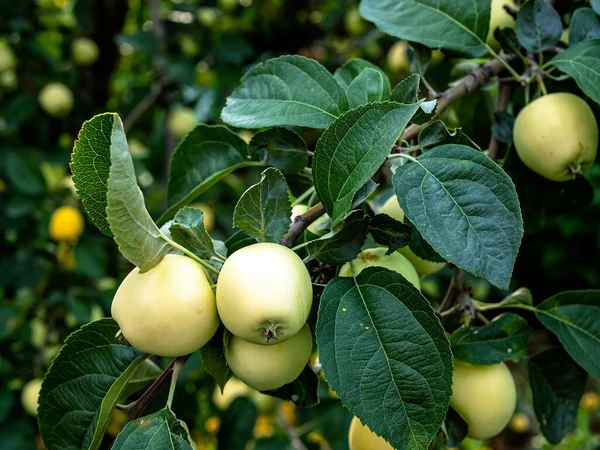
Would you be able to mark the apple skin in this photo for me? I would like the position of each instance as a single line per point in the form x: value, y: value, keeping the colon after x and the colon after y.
x: 484, y: 396
x: 30, y: 395
x: 235, y: 388
x: 66, y: 224
x: 360, y: 437
x: 84, y: 51
x: 556, y: 136
x: 264, y: 293
x: 267, y: 367
x: 499, y: 18
x: 181, y: 122
x: 56, y: 99
x: 169, y: 310
x: 392, y: 208
x: 377, y: 257
x: 397, y: 57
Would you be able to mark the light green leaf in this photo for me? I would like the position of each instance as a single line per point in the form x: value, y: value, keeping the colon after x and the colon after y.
x: 206, y: 155
x: 289, y: 90
x: 281, y: 148
x: 239, y: 240
x: 438, y: 134
x: 352, y: 149
x: 407, y: 90
x: 189, y: 231
x: 353, y: 68
x: 459, y: 25
x: 158, y: 431
x: 367, y: 87
x: 466, y: 207
x: 584, y: 25
x: 79, y: 388
x: 521, y: 296
x: 264, y: 210
x: 582, y: 62
x: 385, y: 353
x: 574, y: 316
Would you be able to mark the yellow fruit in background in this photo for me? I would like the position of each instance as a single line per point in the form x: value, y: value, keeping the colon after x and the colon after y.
x: 204, y: 75
x: 8, y: 79
x: 520, y: 423
x: 320, y: 226
x: 484, y: 396
x: 263, y: 427
x: 7, y: 57
x: 264, y: 294
x: 437, y: 56
x: 377, y: 257
x: 30, y: 394
x: 397, y: 57
x: 392, y: 208
x: 209, y: 215
x: 84, y: 51
x: 207, y: 16
x: 56, y: 99
x: 189, y: 46
x: 117, y: 422
x: 354, y: 23
x: 66, y: 224
x: 499, y: 18
x: 181, y: 122
x: 556, y: 136
x: 212, y: 424
x: 360, y: 437
x: 137, y: 149
x: 267, y: 367
x: 227, y: 4
x: 590, y: 401
x: 422, y: 266
x: 235, y: 388
x: 169, y: 310
x: 246, y: 135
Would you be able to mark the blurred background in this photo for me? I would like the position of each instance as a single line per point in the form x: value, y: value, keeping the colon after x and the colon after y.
x: 164, y: 66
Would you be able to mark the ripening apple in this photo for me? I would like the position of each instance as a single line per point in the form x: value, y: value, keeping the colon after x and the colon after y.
x: 556, y: 136
x: 360, y: 437
x: 7, y: 57
x: 84, y: 51
x: 30, y: 395
x: 56, y: 99
x: 235, y: 388
x: 169, y: 310
x: 264, y: 293
x: 267, y: 367
x: 377, y: 257
x: 392, y: 208
x: 499, y: 18
x: 397, y: 57
x: 484, y: 396
x: 181, y: 122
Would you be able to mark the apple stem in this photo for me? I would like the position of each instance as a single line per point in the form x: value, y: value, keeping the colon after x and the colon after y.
x: 575, y: 170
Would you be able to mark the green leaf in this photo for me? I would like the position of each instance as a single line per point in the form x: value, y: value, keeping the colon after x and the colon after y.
x: 264, y: 210
x: 582, y: 62
x: 500, y: 340
x: 390, y: 232
x: 134, y: 231
x: 584, y: 25
x: 407, y: 90
x: 213, y: 359
x: 421, y: 247
x: 367, y: 87
x: 521, y: 296
x: 289, y: 90
x: 343, y: 242
x: 503, y: 125
x: 189, y: 231
x: 79, y: 386
x: 466, y: 208
x: 425, y: 112
x: 237, y: 424
x: 459, y: 25
x: 352, y: 149
x: 281, y: 148
x: 438, y: 134
x: 386, y: 355
x: 538, y: 26
x: 557, y: 384
x: 90, y: 165
x: 574, y: 316
x: 456, y: 427
x: 303, y: 391
x: 145, y: 374
x: 158, y: 431
x: 239, y: 240
x: 206, y: 155
x: 353, y: 68
x: 596, y: 5
x: 22, y: 171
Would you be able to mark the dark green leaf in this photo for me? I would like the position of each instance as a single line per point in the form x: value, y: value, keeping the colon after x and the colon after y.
x: 507, y: 37
x: 438, y: 134
x: 425, y: 112
x: 158, y: 431
x: 502, y: 127
x: 367, y: 87
x: 584, y: 25
x: 538, y: 26
x: 574, y: 316
x: 206, y: 155
x: 237, y: 241
x: 407, y: 90
x: 459, y: 25
x: 582, y: 62
x: 456, y: 427
x: 77, y: 383
x: 557, y: 384
x: 596, y: 5
x: 389, y: 232
x: 289, y: 90
x: 352, y: 149
x: 364, y: 193
x: 23, y: 172
x: 352, y: 69
x: 189, y: 231
x: 213, y: 359
x: 303, y: 391
x: 343, y: 242
x: 237, y: 424
x: 264, y: 210
x: 502, y: 339
x: 421, y: 247
x: 386, y: 355
x: 466, y: 207
x: 281, y: 148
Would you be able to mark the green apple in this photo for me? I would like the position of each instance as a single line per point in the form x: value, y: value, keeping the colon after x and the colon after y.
x: 8, y: 60
x: 484, y: 396
x: 360, y: 437
x: 264, y: 293
x: 422, y: 266
x: 84, y: 51
x: 56, y: 99
x: 392, y: 208
x: 169, y: 310
x: 235, y: 388
x: 377, y: 257
x: 267, y: 367
x: 556, y: 136
x: 499, y: 18
x: 354, y: 23
x: 207, y: 16
x: 181, y: 122
x: 30, y: 394
x: 397, y: 57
